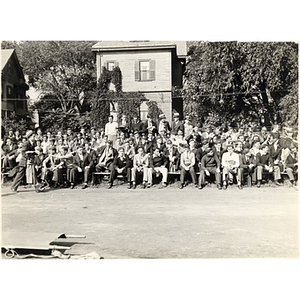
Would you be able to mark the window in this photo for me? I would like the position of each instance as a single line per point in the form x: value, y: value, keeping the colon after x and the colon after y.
x: 110, y: 65
x: 145, y: 70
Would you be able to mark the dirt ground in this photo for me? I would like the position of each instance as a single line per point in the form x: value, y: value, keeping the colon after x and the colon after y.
x: 162, y: 223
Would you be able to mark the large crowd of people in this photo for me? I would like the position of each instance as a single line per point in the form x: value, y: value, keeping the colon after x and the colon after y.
x: 148, y: 151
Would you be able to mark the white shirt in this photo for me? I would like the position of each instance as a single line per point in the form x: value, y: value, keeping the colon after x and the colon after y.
x: 111, y: 128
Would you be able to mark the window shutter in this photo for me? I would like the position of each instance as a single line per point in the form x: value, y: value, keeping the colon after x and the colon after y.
x: 136, y: 71
x: 152, y: 69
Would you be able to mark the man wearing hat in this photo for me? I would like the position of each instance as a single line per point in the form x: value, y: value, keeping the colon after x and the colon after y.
x: 27, y: 154
x: 176, y: 125
x: 187, y: 163
x: 163, y: 124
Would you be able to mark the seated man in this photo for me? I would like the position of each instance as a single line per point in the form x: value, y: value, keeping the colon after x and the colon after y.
x: 291, y: 164
x: 230, y: 164
x: 247, y: 164
x: 187, y: 163
x: 106, y: 156
x: 7, y: 155
x: 121, y: 166
x: 49, y: 167
x: 264, y: 161
x: 140, y: 165
x: 158, y: 165
x: 77, y: 167
x: 275, y: 151
x: 173, y: 155
x: 210, y: 164
x: 89, y: 160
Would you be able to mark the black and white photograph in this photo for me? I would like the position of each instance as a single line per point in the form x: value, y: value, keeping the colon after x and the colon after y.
x: 149, y: 149
x: 149, y: 155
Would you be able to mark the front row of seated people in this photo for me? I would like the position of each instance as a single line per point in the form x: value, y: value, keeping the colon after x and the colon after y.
x: 66, y: 169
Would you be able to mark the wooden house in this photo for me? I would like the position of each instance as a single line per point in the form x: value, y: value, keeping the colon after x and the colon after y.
x: 153, y: 68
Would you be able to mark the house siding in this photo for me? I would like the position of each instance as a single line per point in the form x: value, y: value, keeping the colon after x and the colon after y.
x: 13, y: 78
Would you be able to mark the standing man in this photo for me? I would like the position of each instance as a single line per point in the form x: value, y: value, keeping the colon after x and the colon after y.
x: 163, y: 124
x: 176, y: 125
x: 135, y: 125
x: 111, y: 129
x: 149, y: 126
x: 27, y: 153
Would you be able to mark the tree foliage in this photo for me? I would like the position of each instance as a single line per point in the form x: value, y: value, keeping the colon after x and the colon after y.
x: 105, y: 96
x: 63, y: 71
x: 15, y: 123
x: 240, y: 81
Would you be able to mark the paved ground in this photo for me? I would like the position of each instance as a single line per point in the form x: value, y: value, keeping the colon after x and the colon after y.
x: 163, y: 223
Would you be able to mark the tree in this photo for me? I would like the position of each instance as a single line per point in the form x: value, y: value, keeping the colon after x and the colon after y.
x: 239, y: 81
x: 64, y: 74
x: 63, y: 69
x: 104, y: 97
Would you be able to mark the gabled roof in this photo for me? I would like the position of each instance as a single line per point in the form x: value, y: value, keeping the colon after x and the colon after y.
x: 5, y: 56
x: 180, y: 46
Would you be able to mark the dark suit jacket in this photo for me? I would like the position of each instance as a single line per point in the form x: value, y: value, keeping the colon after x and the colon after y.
x: 27, y: 146
x: 118, y: 163
x: 175, y: 127
x: 101, y: 150
x: 6, y: 150
x: 144, y: 127
x: 89, y: 159
x: 275, y: 154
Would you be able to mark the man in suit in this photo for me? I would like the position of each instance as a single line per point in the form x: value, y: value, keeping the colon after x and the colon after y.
x: 105, y: 157
x: 27, y: 153
x: 176, y: 125
x: 140, y: 165
x: 247, y: 164
x: 121, y: 166
x: 77, y: 167
x: 8, y: 162
x: 149, y: 125
x: 163, y: 124
x: 275, y: 153
x: 89, y: 160
x: 135, y: 125
x: 291, y: 164
x: 173, y: 155
x: 264, y: 161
